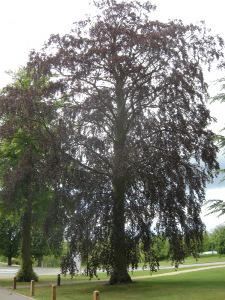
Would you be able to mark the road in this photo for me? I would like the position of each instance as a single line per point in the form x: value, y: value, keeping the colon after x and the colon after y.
x: 9, y: 272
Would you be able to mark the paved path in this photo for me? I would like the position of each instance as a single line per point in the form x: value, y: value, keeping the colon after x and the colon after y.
x: 9, y: 295
x: 10, y: 272
x: 179, y: 272
x: 182, y: 266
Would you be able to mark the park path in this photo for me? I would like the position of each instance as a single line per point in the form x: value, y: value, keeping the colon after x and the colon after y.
x: 178, y: 272
x: 6, y: 294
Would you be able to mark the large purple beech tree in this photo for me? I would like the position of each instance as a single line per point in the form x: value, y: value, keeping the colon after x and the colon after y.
x: 132, y: 95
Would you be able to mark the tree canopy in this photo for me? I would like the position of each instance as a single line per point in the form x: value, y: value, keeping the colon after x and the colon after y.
x: 112, y: 120
x: 132, y: 96
x: 9, y: 236
x: 27, y: 153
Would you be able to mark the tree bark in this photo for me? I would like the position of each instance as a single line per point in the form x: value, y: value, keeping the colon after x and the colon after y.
x: 9, y: 260
x: 26, y: 272
x: 39, y: 261
x: 119, y: 273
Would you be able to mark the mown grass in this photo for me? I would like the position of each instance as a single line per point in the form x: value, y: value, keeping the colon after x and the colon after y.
x: 210, y: 258
x: 201, y: 285
x: 85, y: 286
x: 52, y: 279
x: 201, y: 260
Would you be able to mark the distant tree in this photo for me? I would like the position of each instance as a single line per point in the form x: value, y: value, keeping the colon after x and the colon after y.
x: 46, y: 242
x: 132, y: 92
x: 10, y: 236
x: 28, y: 160
x: 39, y: 246
x: 208, y: 242
x: 218, y: 237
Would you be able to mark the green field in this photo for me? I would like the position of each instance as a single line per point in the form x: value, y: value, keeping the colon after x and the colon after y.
x: 202, y: 259
x: 205, y: 285
x: 50, y: 279
x: 192, y: 261
x: 201, y: 285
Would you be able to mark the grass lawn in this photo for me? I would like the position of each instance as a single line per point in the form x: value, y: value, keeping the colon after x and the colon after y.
x: 201, y: 285
x: 52, y: 279
x: 201, y: 260
x: 81, y: 290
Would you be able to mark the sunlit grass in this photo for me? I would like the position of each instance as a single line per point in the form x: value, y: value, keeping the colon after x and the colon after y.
x: 201, y: 285
x: 82, y: 284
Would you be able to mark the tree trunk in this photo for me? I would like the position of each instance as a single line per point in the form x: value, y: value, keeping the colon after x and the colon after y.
x: 119, y: 272
x: 39, y: 261
x: 26, y: 272
x: 9, y: 260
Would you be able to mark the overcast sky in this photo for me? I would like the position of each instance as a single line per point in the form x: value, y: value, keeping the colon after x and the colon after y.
x: 26, y: 24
